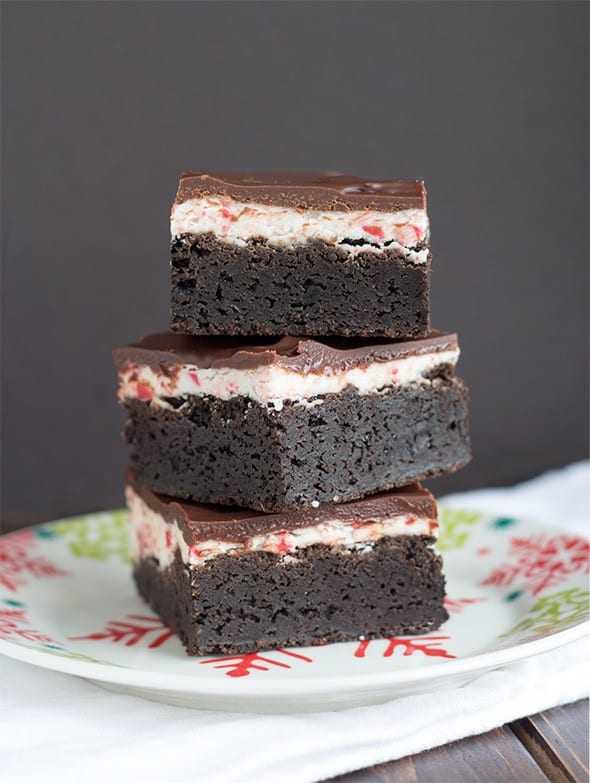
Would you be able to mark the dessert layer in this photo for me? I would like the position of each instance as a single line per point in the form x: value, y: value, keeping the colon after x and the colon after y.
x: 237, y: 223
x: 165, y: 367
x: 236, y: 605
x: 299, y: 190
x: 289, y: 209
x: 242, y: 453
x: 311, y: 289
x: 160, y: 526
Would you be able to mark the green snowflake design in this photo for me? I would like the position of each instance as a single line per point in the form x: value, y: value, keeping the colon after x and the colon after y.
x: 98, y: 537
x: 74, y: 656
x: 455, y: 527
x: 554, y: 612
x: 61, y: 652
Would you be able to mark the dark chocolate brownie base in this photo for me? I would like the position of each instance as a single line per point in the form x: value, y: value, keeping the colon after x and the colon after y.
x: 238, y: 452
x: 236, y: 605
x: 310, y: 289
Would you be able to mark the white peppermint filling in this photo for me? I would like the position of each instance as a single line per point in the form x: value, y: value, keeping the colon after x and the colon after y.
x: 152, y: 536
x: 273, y: 385
x: 236, y: 222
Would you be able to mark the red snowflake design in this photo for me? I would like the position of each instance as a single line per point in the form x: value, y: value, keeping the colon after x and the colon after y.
x: 244, y: 665
x: 17, y: 561
x: 135, y: 629
x: 15, y: 625
x: 427, y: 645
x: 540, y: 562
x: 456, y: 605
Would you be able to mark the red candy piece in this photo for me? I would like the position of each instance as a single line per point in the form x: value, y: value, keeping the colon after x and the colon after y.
x: 144, y: 392
x: 194, y: 377
x: 283, y: 545
x: 374, y: 231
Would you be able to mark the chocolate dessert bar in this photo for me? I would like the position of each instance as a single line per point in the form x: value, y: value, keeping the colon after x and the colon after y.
x: 288, y: 423
x: 300, y: 254
x: 233, y: 581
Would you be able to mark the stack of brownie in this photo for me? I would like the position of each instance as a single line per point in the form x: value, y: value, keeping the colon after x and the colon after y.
x: 280, y: 429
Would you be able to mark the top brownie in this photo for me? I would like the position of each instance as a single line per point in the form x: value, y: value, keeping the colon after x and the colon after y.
x: 300, y: 254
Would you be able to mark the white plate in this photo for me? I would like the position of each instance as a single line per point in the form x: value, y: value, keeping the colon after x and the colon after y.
x: 67, y: 602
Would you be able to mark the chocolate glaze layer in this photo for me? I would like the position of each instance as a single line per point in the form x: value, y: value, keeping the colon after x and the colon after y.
x: 166, y: 351
x: 219, y: 523
x: 330, y: 192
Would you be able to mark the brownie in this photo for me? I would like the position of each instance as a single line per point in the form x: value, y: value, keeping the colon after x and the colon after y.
x: 287, y: 424
x: 309, y: 289
x: 228, y: 582
x: 272, y: 254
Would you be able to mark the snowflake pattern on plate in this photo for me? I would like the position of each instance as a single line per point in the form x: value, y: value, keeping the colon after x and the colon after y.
x: 431, y: 646
x: 554, y: 612
x: 455, y: 526
x: 96, y: 537
x: 20, y: 561
x: 135, y: 629
x: 540, y: 561
x: 457, y: 605
x: 15, y: 625
x: 244, y: 665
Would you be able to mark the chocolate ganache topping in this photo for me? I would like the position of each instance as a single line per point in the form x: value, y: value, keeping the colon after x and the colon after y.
x: 202, y: 522
x: 328, y: 192
x: 167, y: 351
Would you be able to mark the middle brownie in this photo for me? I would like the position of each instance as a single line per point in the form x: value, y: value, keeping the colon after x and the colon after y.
x: 291, y: 423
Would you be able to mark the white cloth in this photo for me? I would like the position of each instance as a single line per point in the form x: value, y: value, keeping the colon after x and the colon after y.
x: 59, y: 728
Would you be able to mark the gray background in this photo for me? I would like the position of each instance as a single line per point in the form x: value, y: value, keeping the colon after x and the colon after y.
x: 105, y: 103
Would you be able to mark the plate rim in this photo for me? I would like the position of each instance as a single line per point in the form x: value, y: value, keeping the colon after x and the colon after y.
x: 177, y: 683
x: 277, y: 687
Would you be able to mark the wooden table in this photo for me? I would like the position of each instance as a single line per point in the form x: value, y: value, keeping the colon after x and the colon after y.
x: 549, y: 747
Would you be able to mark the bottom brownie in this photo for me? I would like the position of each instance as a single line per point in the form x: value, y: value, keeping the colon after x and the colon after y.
x: 260, y: 600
